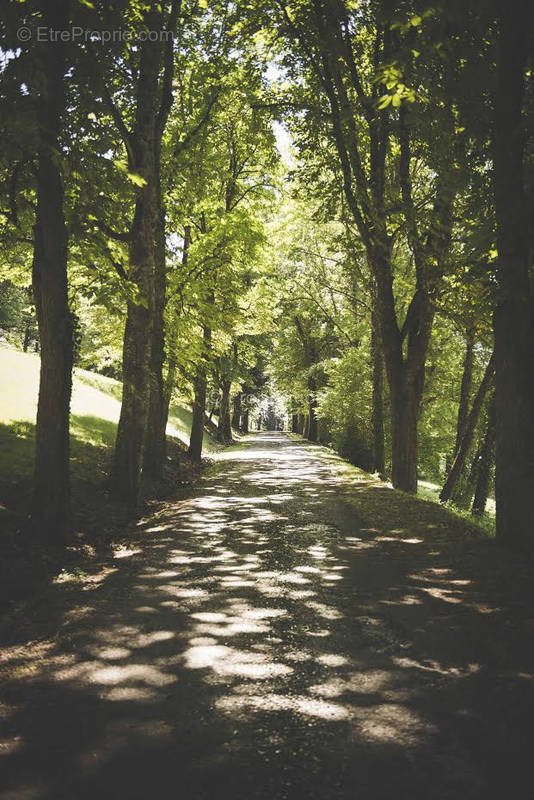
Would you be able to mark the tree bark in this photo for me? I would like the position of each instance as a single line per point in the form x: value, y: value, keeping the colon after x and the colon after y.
x: 485, y: 463
x: 469, y: 433
x: 405, y: 379
x: 352, y: 110
x: 199, y: 402
x: 378, y: 398
x: 236, y: 411
x: 131, y: 432
x: 197, y: 425
x: 405, y: 415
x: 156, y: 439
x: 245, y: 421
x: 465, y: 388
x: 158, y: 407
x: 27, y: 337
x: 50, y: 503
x: 170, y: 378
x: 312, y: 431
x: 224, y: 431
x: 514, y: 316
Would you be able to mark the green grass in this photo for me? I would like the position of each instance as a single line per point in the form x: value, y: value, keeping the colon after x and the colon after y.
x: 95, y: 410
x: 430, y: 491
x: 390, y: 501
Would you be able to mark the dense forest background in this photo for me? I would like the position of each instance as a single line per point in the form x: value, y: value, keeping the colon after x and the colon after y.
x: 315, y: 208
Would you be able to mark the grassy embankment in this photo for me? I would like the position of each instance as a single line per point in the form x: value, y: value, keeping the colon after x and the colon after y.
x: 95, y: 412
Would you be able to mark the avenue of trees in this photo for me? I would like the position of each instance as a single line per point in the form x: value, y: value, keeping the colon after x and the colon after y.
x: 328, y: 199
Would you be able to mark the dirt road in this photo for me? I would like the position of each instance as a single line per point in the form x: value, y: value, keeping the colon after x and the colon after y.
x: 272, y: 637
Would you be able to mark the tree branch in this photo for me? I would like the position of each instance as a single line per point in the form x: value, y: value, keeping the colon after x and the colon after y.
x: 168, y: 69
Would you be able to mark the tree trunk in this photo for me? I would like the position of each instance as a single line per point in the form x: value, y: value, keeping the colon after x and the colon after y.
x: 168, y: 387
x: 312, y: 419
x: 236, y: 412
x: 301, y: 424
x: 485, y: 463
x: 199, y: 403
x: 156, y: 439
x: 405, y: 415
x: 377, y: 401
x: 245, y: 421
x: 131, y: 432
x: 465, y: 388
x: 462, y: 495
x: 294, y: 423
x: 197, y: 425
x: 405, y: 373
x: 50, y: 503
x: 514, y: 316
x: 158, y: 405
x: 214, y: 405
x: 467, y: 439
x: 27, y: 337
x: 224, y: 431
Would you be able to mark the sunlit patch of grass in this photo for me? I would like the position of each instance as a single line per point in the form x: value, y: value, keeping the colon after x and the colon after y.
x: 430, y: 491
x: 371, y: 502
x: 95, y: 410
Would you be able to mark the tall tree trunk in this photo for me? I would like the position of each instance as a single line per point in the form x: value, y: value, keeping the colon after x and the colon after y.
x: 514, y: 316
x: 465, y: 387
x: 312, y: 431
x: 294, y: 423
x: 405, y: 373
x: 50, y: 503
x: 467, y: 439
x: 199, y: 411
x: 485, y: 463
x: 378, y: 397
x: 462, y: 495
x: 131, y: 432
x: 236, y: 411
x: 406, y: 382
x: 199, y: 402
x: 170, y: 378
x: 301, y: 423
x: 158, y: 406
x: 156, y: 439
x: 168, y: 387
x: 405, y: 404
x: 224, y: 431
x: 215, y: 404
x: 245, y: 420
x: 27, y: 337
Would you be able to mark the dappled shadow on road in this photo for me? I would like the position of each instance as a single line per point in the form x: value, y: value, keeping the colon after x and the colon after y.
x: 263, y: 640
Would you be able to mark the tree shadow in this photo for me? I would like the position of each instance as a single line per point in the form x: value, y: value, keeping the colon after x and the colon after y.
x: 261, y: 639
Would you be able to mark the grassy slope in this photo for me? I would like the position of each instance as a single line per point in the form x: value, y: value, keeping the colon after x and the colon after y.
x: 95, y: 411
x: 402, y: 504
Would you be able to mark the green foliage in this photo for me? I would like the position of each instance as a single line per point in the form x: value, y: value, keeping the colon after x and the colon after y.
x: 276, y: 265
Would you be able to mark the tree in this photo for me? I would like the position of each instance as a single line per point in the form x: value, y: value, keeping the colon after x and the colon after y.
x: 514, y: 316
x: 366, y: 117
x: 468, y: 433
x: 35, y: 93
x: 485, y: 463
x: 141, y: 138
